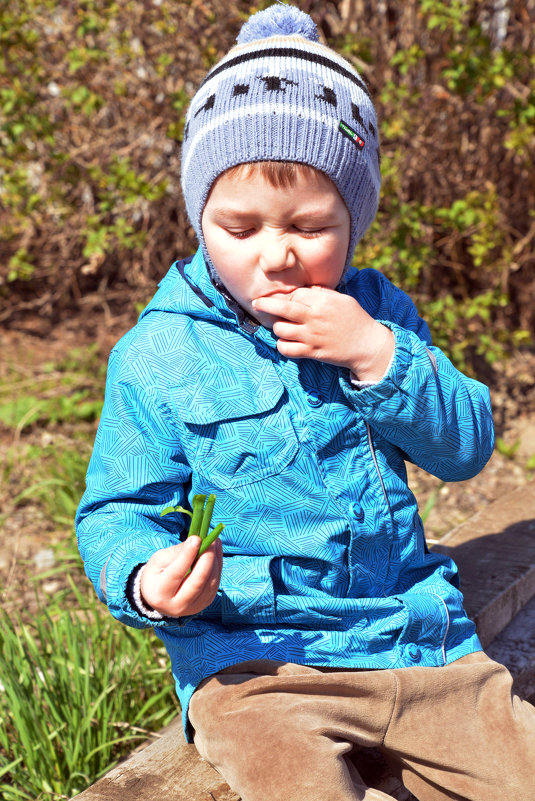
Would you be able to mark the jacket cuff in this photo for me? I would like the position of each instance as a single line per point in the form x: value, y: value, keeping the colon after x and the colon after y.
x: 408, y: 347
x: 363, y: 384
x: 133, y: 593
x: 119, y: 594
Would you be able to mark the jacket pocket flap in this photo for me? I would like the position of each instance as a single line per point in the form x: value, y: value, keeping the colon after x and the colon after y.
x: 217, y: 394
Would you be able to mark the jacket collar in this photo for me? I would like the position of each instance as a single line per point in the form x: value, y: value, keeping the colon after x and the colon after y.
x: 188, y: 288
x: 197, y: 274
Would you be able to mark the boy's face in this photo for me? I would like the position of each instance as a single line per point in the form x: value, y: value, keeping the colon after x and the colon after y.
x: 265, y: 240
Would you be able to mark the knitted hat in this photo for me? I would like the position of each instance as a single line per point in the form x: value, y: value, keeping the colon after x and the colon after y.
x: 281, y: 95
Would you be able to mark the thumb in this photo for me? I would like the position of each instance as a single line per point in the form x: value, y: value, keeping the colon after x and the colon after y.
x: 179, y: 564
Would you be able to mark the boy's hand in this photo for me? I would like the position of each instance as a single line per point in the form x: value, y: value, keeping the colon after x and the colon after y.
x: 166, y: 587
x: 320, y: 323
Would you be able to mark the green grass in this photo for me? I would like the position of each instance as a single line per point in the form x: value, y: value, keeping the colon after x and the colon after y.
x: 77, y: 690
x: 55, y: 479
x: 64, y: 392
x: 50, y: 416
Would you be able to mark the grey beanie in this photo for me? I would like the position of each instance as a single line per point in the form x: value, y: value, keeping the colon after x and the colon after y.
x: 281, y: 95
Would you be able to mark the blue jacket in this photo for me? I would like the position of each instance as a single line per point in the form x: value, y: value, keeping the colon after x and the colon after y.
x: 325, y: 561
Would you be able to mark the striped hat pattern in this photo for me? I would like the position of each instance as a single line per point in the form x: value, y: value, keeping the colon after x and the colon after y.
x: 281, y: 95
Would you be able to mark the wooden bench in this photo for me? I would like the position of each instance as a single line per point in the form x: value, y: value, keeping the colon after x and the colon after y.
x: 495, y: 552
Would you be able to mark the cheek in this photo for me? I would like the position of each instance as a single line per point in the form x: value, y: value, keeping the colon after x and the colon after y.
x: 232, y: 267
x: 327, y: 263
x: 218, y: 249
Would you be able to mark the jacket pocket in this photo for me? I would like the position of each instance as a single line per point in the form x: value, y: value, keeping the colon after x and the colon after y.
x: 427, y: 625
x: 236, y: 430
x: 247, y: 595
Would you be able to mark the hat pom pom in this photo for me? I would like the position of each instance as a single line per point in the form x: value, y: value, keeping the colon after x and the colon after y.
x: 278, y: 20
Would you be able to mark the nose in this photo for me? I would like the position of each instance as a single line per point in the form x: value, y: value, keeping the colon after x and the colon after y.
x: 276, y: 252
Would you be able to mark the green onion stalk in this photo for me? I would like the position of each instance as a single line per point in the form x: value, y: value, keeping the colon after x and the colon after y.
x: 202, y: 509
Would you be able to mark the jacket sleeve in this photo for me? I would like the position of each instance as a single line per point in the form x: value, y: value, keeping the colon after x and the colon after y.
x: 136, y: 470
x: 440, y: 418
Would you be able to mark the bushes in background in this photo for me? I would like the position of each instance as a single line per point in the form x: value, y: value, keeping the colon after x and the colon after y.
x: 92, y: 102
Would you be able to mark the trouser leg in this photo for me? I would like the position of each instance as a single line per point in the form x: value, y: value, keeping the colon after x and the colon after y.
x: 453, y: 733
x: 278, y: 732
x: 458, y: 732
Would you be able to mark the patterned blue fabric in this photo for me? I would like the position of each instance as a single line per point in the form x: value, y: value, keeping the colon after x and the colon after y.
x: 325, y: 561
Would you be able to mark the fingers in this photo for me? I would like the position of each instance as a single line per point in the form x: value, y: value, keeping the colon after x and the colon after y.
x: 320, y: 323
x: 207, y: 571
x: 301, y: 307
x: 175, y: 571
x: 291, y: 331
x: 291, y: 317
x: 285, y: 308
x: 296, y: 350
x: 175, y: 584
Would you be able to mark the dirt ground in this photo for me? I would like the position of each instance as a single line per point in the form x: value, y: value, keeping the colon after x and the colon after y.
x: 27, y: 537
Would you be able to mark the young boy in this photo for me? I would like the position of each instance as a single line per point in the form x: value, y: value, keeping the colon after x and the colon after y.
x: 268, y: 372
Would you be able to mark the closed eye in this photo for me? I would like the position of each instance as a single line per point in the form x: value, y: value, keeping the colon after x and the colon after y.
x: 240, y: 234
x: 311, y: 232
x: 308, y: 233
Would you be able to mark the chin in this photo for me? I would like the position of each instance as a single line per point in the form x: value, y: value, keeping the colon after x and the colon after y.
x: 267, y: 320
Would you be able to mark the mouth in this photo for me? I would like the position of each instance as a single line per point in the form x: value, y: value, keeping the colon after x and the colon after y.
x: 280, y: 292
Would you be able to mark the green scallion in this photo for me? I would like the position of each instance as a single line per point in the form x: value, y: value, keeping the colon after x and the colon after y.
x: 201, y: 517
x: 197, y: 506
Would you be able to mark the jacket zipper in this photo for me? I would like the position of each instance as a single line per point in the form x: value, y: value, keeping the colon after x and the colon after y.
x: 372, y: 451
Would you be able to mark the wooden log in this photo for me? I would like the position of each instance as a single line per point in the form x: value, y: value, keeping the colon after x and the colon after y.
x: 166, y: 769
x: 495, y: 553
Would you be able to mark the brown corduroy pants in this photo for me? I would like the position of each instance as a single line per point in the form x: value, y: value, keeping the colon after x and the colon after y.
x: 284, y: 732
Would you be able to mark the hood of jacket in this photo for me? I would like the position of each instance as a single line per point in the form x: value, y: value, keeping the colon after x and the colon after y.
x: 187, y: 288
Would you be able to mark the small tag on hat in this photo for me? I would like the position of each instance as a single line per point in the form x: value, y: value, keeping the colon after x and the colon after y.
x: 344, y: 128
